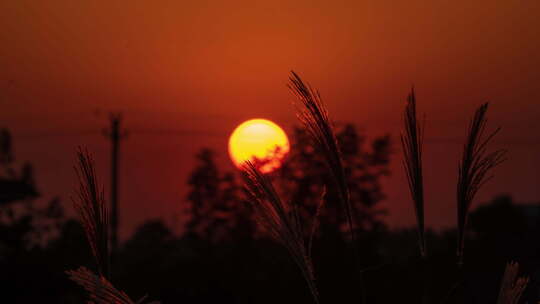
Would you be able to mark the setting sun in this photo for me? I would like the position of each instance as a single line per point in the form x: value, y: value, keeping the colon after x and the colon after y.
x: 259, y: 140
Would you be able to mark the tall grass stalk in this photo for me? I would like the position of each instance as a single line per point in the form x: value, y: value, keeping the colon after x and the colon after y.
x: 474, y: 167
x: 94, y: 217
x: 101, y: 291
x: 93, y: 213
x: 512, y: 287
x: 314, y: 117
x: 281, y: 222
x: 317, y: 123
x: 411, y: 142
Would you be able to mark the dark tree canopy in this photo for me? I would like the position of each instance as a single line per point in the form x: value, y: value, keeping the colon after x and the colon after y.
x: 218, y: 208
x: 22, y: 223
x: 304, y: 176
x: 14, y: 186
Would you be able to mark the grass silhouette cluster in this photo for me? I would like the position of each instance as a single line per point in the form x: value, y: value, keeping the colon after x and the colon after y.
x: 94, y: 217
x: 282, y: 220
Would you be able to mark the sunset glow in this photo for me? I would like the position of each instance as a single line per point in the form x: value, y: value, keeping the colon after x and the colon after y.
x: 259, y: 140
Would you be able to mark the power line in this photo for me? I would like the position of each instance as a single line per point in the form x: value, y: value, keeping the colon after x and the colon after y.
x: 46, y: 134
x: 188, y: 132
x: 177, y: 132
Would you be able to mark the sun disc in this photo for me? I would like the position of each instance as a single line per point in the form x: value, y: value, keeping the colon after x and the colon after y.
x: 260, y: 141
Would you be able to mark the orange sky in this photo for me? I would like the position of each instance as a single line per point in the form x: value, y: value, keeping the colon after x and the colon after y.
x: 201, y: 67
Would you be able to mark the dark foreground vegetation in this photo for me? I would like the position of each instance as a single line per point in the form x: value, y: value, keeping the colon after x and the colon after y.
x: 322, y: 226
x: 194, y: 270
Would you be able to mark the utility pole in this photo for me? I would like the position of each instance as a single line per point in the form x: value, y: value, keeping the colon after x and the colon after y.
x: 115, y: 134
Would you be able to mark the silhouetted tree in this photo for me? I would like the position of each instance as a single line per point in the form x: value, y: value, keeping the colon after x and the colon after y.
x: 303, y: 177
x: 6, y: 153
x: 506, y: 228
x: 499, y: 217
x: 22, y: 223
x: 217, y: 209
x: 28, y: 235
x: 13, y: 186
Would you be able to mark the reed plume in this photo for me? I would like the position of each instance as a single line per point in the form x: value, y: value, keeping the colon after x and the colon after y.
x: 512, y: 287
x: 280, y: 221
x: 100, y: 290
x: 411, y: 142
x: 316, y: 121
x: 92, y: 210
x: 475, y: 164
